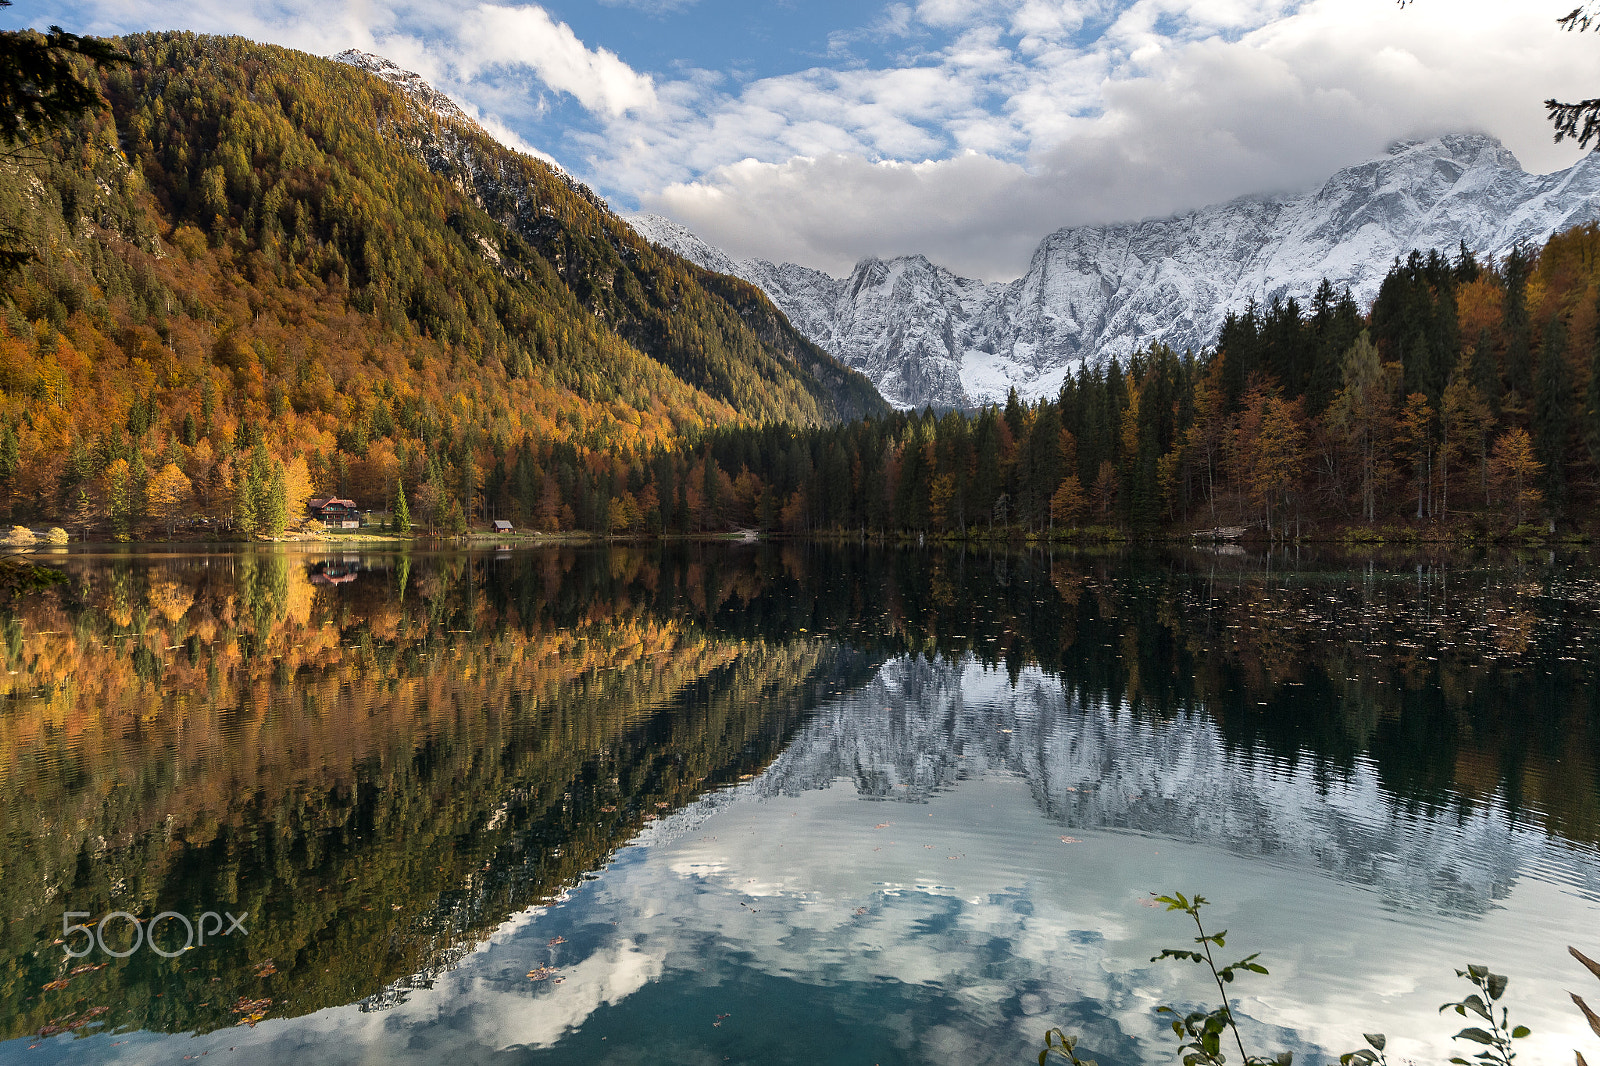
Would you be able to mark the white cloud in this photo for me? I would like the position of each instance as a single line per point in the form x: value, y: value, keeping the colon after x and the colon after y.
x: 1171, y: 108
x: 493, y: 35
x: 960, y: 128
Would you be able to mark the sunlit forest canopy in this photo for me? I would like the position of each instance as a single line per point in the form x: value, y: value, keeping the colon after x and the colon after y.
x: 259, y: 263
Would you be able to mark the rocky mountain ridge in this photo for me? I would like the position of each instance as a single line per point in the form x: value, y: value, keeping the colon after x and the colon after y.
x: 924, y: 335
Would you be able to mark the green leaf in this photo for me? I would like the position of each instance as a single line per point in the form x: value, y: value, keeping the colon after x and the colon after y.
x: 1521, y: 1031
x: 1497, y: 985
x: 1377, y: 1040
x: 1477, y: 973
x: 1475, y: 1034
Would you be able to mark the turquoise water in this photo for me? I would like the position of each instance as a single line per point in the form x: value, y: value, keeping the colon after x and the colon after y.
x: 807, y: 805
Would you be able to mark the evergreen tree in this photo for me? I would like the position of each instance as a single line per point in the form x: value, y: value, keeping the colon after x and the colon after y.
x: 401, y: 519
x: 1592, y: 404
x: 274, y: 504
x: 1551, y: 417
x: 1517, y: 362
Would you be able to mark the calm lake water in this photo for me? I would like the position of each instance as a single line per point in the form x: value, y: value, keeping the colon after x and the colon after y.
x: 788, y: 804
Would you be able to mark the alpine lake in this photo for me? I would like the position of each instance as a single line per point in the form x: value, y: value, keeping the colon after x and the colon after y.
x: 711, y: 803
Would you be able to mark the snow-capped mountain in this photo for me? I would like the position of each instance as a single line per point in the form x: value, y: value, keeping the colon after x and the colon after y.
x: 924, y: 335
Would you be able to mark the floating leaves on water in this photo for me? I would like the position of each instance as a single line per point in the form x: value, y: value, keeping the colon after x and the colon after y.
x: 541, y: 973
x: 609, y: 808
x: 265, y: 968
x: 76, y: 970
x: 860, y: 911
x: 55, y: 986
x: 1071, y: 840
x: 557, y: 940
x: 253, y: 1010
x: 883, y: 825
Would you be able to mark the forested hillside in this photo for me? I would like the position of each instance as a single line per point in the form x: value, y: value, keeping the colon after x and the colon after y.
x: 261, y: 275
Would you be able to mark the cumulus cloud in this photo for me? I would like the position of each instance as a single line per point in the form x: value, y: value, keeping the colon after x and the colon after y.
x: 493, y: 35
x: 960, y: 129
x: 476, y: 52
x: 1173, y: 106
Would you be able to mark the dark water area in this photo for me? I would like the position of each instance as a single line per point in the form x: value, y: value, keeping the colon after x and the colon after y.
x: 785, y: 803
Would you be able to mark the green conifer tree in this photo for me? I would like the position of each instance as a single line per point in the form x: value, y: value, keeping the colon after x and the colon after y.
x: 401, y: 519
x: 1551, y: 419
x: 1591, y: 407
x: 274, y: 503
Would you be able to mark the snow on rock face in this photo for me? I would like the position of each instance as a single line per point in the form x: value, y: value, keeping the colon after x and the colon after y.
x: 924, y: 335
x: 406, y: 81
x: 668, y: 234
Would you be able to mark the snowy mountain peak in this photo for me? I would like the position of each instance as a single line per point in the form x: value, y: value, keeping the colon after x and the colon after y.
x: 408, y: 82
x: 677, y: 239
x: 926, y: 336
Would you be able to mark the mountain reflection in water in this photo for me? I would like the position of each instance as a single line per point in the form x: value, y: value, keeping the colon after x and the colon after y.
x: 388, y: 759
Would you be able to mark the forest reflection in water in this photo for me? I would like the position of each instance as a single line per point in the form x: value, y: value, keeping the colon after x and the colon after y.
x: 382, y: 757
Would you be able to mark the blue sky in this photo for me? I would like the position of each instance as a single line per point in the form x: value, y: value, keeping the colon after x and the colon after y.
x: 823, y: 131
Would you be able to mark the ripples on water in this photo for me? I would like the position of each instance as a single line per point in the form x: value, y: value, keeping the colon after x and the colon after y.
x: 800, y: 804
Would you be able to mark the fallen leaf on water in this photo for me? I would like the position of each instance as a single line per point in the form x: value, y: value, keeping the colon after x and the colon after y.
x: 557, y: 940
x: 541, y: 973
x: 883, y: 825
x: 1071, y: 840
x: 57, y: 985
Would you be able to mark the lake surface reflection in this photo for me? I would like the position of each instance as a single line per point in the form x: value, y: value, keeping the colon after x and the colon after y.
x: 787, y: 803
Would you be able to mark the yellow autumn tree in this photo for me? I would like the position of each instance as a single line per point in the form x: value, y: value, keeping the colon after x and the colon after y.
x: 1515, y: 470
x: 1415, y: 434
x: 1466, y: 421
x: 1279, y: 455
x: 296, y: 488
x: 1068, y: 504
x: 167, y: 496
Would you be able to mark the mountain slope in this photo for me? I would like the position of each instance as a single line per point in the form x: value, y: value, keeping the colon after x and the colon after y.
x: 926, y: 336
x: 257, y: 245
x: 626, y: 283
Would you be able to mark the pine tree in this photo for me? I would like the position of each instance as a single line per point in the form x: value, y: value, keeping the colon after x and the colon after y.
x: 1592, y: 406
x: 274, y: 504
x: 401, y: 519
x: 1517, y: 363
x: 1551, y: 418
